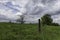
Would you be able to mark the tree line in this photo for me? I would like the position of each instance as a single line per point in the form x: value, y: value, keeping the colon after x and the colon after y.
x: 45, y: 20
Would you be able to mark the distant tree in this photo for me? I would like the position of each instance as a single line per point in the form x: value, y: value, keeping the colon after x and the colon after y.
x: 46, y: 19
x: 10, y: 21
x: 21, y: 19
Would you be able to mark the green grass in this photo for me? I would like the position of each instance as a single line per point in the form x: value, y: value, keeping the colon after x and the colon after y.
x: 11, y: 31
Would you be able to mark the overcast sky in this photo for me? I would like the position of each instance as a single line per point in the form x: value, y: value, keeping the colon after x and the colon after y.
x: 32, y: 9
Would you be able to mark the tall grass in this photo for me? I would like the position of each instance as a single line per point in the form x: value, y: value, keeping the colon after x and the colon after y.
x: 12, y: 31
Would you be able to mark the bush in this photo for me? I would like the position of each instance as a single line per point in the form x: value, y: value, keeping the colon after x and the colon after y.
x: 55, y: 24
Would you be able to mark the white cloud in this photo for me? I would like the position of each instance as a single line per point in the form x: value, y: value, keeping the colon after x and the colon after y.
x: 31, y: 6
x: 21, y: 2
x: 56, y: 18
x: 8, y: 14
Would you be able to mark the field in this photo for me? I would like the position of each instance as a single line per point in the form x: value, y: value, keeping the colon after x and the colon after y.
x: 12, y: 31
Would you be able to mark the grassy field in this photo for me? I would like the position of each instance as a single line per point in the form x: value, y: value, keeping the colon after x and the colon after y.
x: 11, y: 31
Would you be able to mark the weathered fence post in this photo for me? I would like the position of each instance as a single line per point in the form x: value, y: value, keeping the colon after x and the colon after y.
x: 39, y: 25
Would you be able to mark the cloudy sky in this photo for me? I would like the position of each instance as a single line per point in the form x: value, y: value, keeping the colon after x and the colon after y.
x: 32, y: 9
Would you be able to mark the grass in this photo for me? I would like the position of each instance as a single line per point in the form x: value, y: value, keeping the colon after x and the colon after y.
x: 11, y: 31
x: 52, y: 33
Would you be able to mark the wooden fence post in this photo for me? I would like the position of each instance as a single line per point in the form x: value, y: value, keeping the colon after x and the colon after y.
x: 39, y: 25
